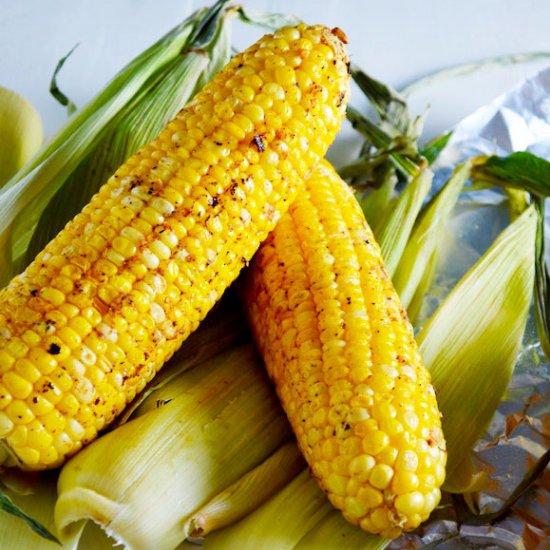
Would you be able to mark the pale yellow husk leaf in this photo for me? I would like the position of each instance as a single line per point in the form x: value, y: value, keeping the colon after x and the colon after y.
x: 470, y: 344
x: 142, y: 482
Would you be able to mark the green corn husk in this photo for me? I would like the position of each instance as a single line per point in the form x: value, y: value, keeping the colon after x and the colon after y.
x: 247, y: 494
x: 470, y: 344
x: 417, y: 263
x: 394, y: 232
x: 142, y: 482
x: 518, y: 201
x: 377, y: 204
x: 25, y: 196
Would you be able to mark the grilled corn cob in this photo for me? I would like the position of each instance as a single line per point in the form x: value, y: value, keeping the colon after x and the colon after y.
x: 108, y: 301
x: 340, y: 350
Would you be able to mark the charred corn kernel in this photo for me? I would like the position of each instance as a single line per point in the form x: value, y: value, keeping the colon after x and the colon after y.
x: 118, y: 290
x: 339, y: 348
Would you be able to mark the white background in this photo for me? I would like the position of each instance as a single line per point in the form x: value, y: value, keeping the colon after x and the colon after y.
x: 396, y: 41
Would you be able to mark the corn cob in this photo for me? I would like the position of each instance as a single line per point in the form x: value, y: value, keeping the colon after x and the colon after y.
x: 108, y: 301
x: 341, y: 352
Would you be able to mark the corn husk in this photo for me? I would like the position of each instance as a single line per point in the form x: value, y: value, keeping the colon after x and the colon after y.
x: 16, y: 534
x: 394, y: 232
x: 417, y: 264
x: 249, y: 492
x: 333, y: 532
x: 470, y: 344
x: 21, y: 133
x: 280, y: 523
x: 142, y: 482
x: 377, y: 204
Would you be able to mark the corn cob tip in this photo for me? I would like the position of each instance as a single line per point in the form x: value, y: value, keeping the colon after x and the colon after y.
x: 340, y: 34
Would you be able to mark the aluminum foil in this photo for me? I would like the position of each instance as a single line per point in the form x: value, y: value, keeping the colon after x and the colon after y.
x: 520, y: 431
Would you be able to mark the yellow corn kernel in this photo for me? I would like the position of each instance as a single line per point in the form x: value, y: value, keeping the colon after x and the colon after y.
x: 6, y: 361
x: 381, y: 476
x: 363, y: 412
x: 39, y: 405
x: 5, y: 397
x: 52, y: 295
x: 19, y: 412
x: 28, y: 456
x: 18, y: 387
x: 410, y: 503
x: 130, y: 277
x: 6, y: 425
x: 18, y: 436
x: 38, y: 437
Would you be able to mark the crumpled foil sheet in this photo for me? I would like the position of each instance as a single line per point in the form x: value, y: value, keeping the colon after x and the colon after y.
x: 520, y: 431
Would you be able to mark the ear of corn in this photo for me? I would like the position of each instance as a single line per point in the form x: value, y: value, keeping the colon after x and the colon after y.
x: 249, y: 492
x: 414, y: 264
x: 502, y: 278
x: 338, y: 346
x: 21, y: 133
x: 480, y: 342
x: 143, y: 482
x: 111, y: 298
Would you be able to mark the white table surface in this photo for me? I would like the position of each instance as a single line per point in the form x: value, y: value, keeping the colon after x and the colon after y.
x: 396, y: 41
